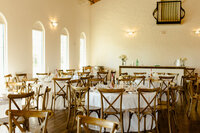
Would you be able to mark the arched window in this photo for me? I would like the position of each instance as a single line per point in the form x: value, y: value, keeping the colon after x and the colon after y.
x: 64, y: 47
x: 3, y: 48
x: 38, y: 46
x: 82, y: 50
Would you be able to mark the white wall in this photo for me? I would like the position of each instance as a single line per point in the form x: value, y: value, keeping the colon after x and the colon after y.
x: 152, y: 43
x: 21, y: 15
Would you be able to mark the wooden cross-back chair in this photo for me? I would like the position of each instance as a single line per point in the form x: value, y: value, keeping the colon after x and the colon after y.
x: 12, y: 101
x: 59, y: 72
x: 170, y: 106
x: 43, y: 74
x: 95, y: 81
x: 122, y: 74
x: 85, y: 120
x: 103, y: 75
x: 30, y: 81
x: 13, y: 114
x: 59, y: 90
x: 16, y: 86
x: 155, y: 83
x: 139, y: 73
x: 20, y: 76
x: 68, y: 74
x: 138, y: 80
x: 167, y: 80
x: 173, y: 74
x: 111, y: 110
x: 161, y: 73
x: 75, y: 82
x: 84, y: 81
x: 184, y: 86
x: 128, y: 81
x: 148, y: 109
x: 194, y: 94
x: 8, y: 78
x: 83, y: 74
x: 71, y: 70
x: 35, y: 100
x: 77, y: 99
x: 87, y: 69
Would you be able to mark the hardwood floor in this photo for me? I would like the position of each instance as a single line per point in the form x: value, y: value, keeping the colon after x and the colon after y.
x: 57, y: 124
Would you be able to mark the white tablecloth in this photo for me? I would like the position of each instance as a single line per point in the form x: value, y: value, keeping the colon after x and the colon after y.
x: 129, y: 101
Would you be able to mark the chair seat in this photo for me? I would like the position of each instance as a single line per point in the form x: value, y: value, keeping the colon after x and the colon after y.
x: 196, y: 97
x: 93, y: 108
x: 112, y: 111
x: 164, y: 107
x: 135, y: 111
x: 162, y: 102
x: 4, y: 121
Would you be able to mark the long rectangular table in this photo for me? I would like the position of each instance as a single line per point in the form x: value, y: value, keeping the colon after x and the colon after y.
x: 186, y: 71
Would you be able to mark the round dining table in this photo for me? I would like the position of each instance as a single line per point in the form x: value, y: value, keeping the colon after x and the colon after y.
x: 129, y: 100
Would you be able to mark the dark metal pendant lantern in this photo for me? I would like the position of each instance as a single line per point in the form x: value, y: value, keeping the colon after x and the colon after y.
x: 169, y: 12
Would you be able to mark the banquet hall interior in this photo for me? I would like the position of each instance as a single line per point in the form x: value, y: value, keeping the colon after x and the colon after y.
x: 79, y: 66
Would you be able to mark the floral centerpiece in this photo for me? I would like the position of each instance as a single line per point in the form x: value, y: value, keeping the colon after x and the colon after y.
x: 124, y: 59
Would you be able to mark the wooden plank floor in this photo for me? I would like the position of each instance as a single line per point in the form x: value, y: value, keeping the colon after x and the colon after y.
x: 57, y: 124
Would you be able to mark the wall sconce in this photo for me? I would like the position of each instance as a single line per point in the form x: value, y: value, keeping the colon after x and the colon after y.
x: 197, y: 31
x: 54, y: 24
x: 130, y: 33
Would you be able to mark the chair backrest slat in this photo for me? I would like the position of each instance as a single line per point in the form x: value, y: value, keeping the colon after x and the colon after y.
x: 82, y: 120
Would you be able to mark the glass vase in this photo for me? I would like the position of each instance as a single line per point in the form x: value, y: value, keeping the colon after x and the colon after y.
x: 123, y: 63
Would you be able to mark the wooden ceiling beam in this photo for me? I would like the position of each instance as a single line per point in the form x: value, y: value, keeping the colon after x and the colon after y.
x: 93, y: 1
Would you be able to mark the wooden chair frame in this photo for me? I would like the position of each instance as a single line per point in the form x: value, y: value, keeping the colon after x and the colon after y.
x: 83, y: 74
x: 139, y: 73
x: 140, y: 78
x: 103, y: 75
x: 60, y: 92
x: 21, y: 76
x: 147, y: 110
x: 95, y: 81
x: 194, y: 94
x: 16, y: 86
x: 18, y: 113
x: 12, y: 98
x: 83, y: 120
x: 106, y: 112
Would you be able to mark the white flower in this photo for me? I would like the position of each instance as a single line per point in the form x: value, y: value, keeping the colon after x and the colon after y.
x: 123, y: 57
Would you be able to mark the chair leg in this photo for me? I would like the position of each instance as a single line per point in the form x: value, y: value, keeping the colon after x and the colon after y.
x: 122, y: 123
x: 175, y: 120
x: 138, y: 124
x: 169, y: 122
x: 196, y: 107
x: 52, y: 102
x: 75, y: 113
x: 68, y: 115
x: 189, y: 108
x: 156, y: 122
x: 184, y: 94
x: 145, y: 123
x: 64, y: 100
x: 130, y: 116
